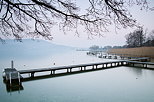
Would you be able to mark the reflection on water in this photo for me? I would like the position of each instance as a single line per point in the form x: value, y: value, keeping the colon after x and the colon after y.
x: 136, y: 71
x: 14, y: 88
x: 120, y: 84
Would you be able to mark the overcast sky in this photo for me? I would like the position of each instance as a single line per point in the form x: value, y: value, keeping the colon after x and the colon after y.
x: 145, y: 18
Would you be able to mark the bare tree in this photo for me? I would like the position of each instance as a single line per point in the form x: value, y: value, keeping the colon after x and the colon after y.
x: 150, y: 39
x: 136, y: 39
x: 94, y: 47
x: 35, y: 18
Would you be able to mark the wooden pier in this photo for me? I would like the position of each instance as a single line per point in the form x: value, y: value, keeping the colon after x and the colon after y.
x: 11, y: 74
x: 71, y: 68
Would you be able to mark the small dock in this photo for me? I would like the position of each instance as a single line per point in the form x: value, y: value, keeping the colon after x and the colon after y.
x: 11, y: 76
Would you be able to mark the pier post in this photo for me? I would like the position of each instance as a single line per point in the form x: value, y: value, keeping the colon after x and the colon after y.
x: 106, y: 65
x: 116, y: 64
x: 19, y: 77
x: 51, y: 72
x: 96, y: 66
x: 12, y: 64
x: 102, y: 65
x: 10, y: 79
x: 70, y: 69
x: 84, y: 67
x: 121, y: 63
x: 67, y: 70
x: 32, y: 74
x: 81, y: 68
x: 145, y: 65
x: 93, y: 67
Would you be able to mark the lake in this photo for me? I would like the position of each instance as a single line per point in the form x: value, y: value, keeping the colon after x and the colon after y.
x: 120, y: 84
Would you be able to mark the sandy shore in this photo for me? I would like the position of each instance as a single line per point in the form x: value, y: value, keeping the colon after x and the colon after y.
x: 134, y: 52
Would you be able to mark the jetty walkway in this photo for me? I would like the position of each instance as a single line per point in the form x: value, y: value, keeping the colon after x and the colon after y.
x: 71, y: 68
x: 12, y: 75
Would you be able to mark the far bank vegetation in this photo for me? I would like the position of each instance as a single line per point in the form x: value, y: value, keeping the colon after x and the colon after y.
x: 138, y: 44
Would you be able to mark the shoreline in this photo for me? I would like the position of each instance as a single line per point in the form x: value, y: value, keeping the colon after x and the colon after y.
x: 134, y: 52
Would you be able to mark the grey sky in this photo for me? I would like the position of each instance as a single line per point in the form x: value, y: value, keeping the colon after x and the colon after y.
x: 145, y: 18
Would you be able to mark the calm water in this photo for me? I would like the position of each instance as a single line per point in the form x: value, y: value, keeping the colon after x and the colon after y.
x: 121, y: 84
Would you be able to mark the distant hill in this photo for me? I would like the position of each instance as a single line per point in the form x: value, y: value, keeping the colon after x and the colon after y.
x: 30, y: 48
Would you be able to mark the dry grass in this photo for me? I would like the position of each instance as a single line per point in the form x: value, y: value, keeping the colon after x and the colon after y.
x: 135, y: 52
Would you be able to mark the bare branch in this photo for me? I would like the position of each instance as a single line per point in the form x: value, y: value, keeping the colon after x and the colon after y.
x: 35, y: 18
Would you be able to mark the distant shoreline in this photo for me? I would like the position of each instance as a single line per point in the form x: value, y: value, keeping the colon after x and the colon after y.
x: 134, y: 52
